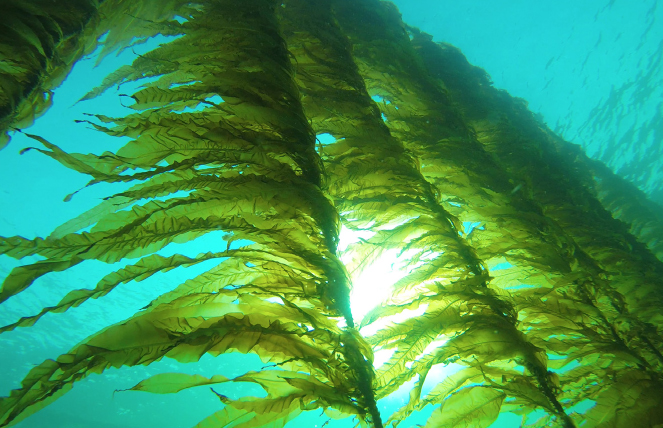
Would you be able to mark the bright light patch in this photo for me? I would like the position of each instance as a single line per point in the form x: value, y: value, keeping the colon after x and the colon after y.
x: 382, y: 356
x: 438, y: 373
x: 370, y: 284
x: 373, y: 283
x: 373, y: 278
x: 433, y: 345
x: 406, y: 314
x: 348, y: 237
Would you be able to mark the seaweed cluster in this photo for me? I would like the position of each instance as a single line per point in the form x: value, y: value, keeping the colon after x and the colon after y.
x: 515, y: 250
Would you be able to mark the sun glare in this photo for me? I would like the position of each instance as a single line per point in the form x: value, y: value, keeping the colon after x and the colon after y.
x: 372, y: 281
x: 372, y: 284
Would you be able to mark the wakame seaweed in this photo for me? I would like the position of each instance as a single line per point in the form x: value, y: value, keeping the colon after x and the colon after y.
x: 423, y: 145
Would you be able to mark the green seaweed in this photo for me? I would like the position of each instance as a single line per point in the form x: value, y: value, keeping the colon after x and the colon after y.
x: 423, y: 145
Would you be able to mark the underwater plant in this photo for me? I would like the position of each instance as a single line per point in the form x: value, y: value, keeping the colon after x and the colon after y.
x: 286, y: 124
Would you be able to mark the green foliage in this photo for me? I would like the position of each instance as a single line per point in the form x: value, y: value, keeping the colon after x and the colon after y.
x: 473, y: 407
x: 575, y: 315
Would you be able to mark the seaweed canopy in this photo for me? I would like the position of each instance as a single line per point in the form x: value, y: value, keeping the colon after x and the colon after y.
x: 520, y: 279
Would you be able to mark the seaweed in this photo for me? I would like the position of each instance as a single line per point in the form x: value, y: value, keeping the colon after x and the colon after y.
x: 504, y: 248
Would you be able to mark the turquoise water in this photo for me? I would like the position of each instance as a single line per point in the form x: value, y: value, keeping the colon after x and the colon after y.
x: 592, y: 69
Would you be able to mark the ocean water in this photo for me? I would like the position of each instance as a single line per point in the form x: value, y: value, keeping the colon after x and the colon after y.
x: 591, y: 69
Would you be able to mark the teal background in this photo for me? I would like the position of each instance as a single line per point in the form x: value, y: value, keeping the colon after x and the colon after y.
x: 593, y: 69
x: 590, y: 68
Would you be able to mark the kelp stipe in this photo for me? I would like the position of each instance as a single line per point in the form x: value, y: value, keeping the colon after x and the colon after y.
x: 493, y: 257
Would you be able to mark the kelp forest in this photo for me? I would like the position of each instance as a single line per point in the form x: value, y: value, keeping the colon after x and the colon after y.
x: 531, y: 268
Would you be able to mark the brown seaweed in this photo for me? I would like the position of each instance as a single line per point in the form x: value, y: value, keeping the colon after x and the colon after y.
x: 438, y: 167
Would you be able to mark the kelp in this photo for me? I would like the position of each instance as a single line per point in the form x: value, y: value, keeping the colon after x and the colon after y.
x: 368, y: 146
x: 292, y: 227
x: 624, y: 287
x: 623, y: 199
x: 550, y: 182
x: 41, y: 40
x: 516, y: 271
